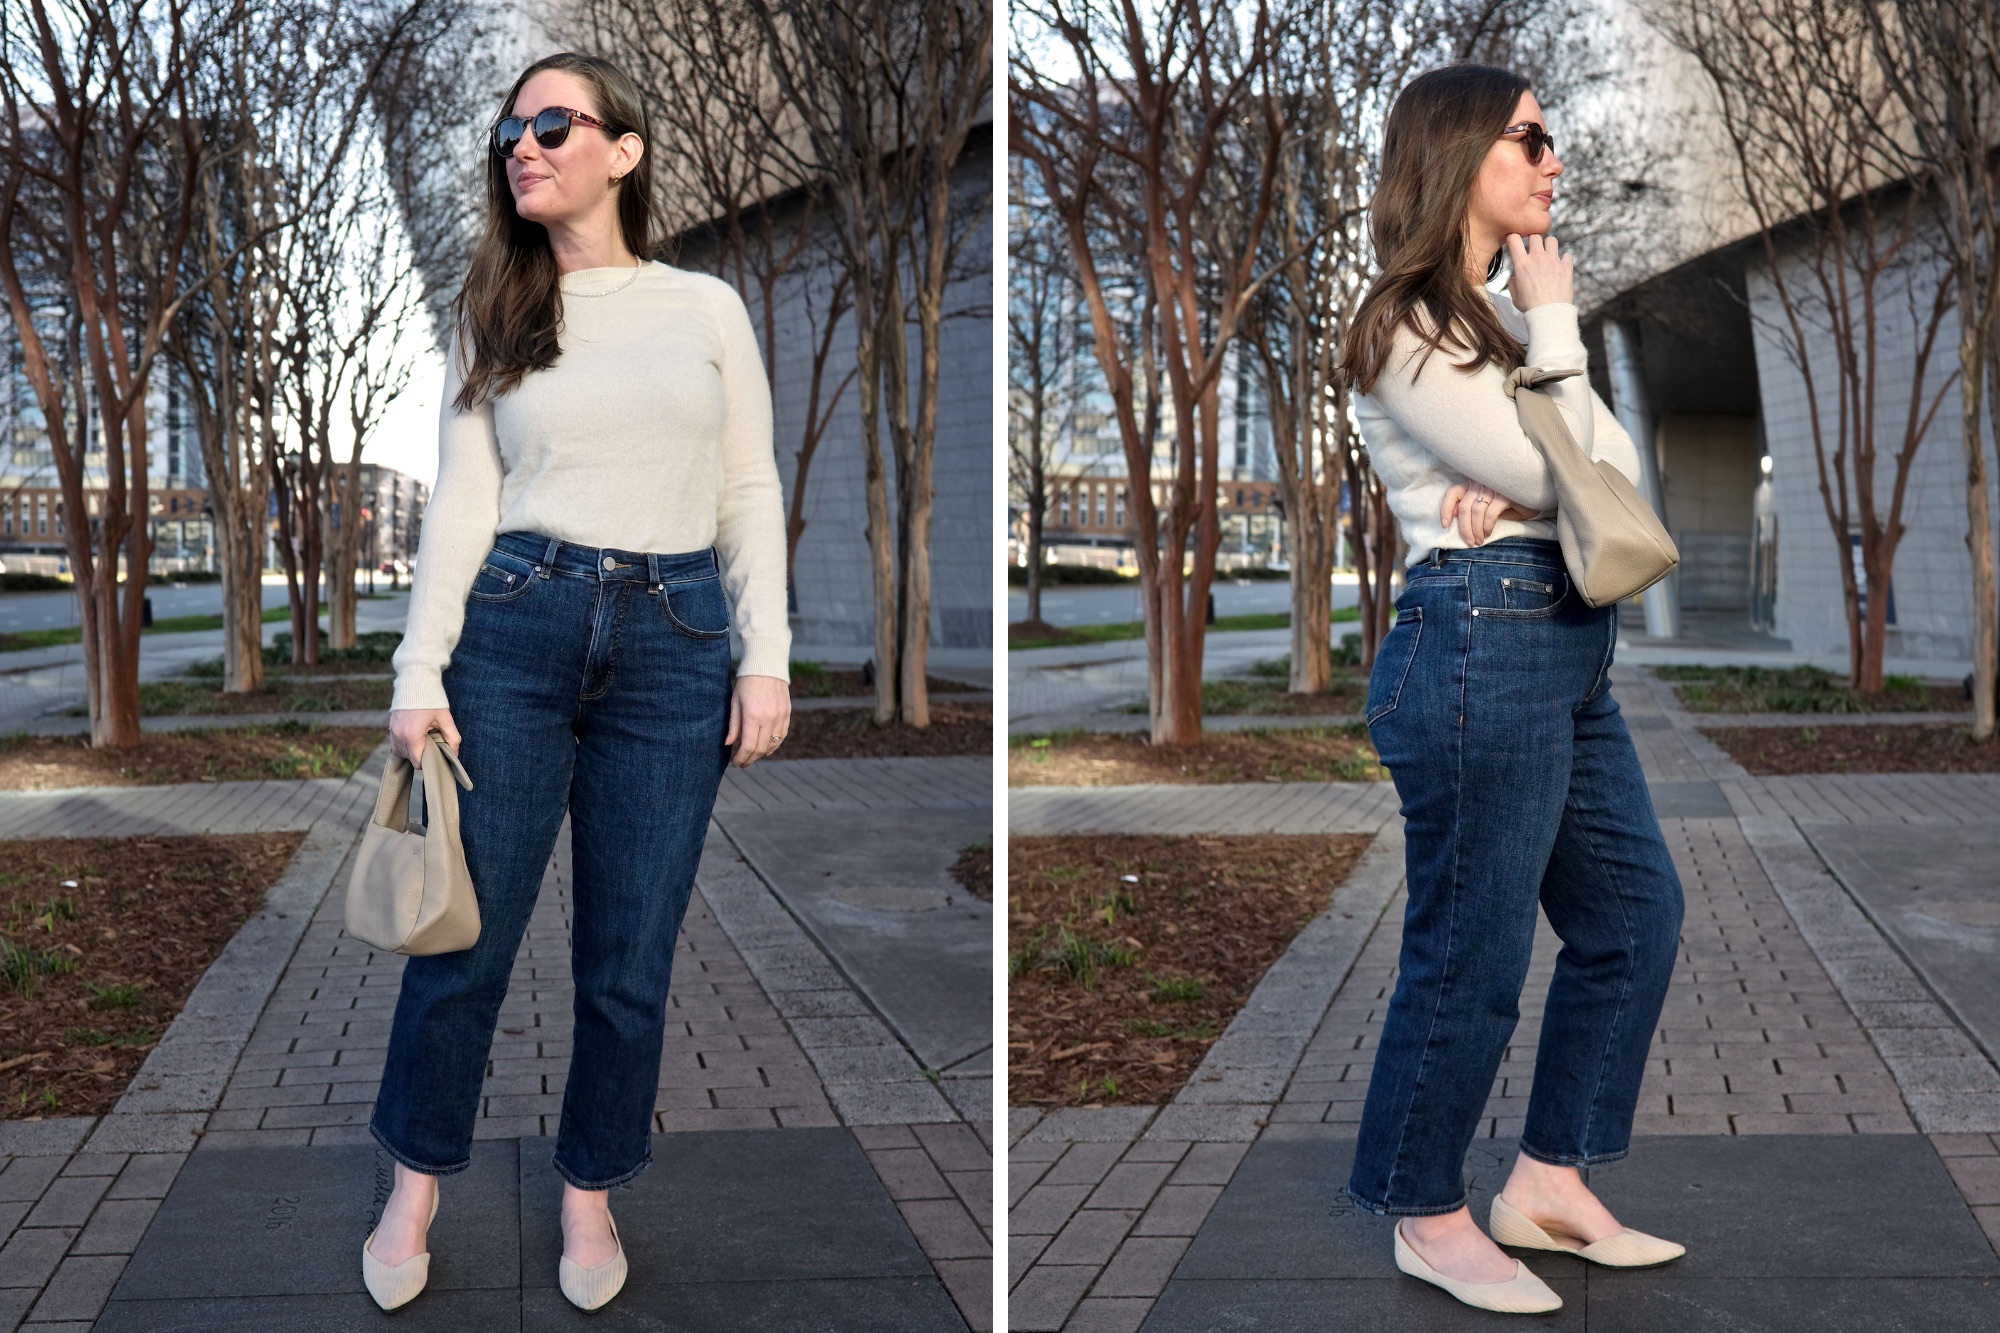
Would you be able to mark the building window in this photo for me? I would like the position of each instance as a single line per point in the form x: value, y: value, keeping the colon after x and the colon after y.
x: 1119, y: 508
x: 1062, y: 502
x: 1100, y: 504
x: 42, y: 514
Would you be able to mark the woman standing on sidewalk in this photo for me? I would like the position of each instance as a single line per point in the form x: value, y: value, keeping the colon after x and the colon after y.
x: 1490, y: 705
x: 606, y: 494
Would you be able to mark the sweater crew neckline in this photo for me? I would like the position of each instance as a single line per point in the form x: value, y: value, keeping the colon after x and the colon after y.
x: 605, y: 280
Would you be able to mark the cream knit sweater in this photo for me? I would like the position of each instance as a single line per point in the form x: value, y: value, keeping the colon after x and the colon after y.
x: 1428, y: 430
x: 652, y: 432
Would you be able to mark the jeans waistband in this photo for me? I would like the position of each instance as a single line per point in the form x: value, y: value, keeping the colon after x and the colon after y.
x: 608, y: 563
x: 1508, y: 550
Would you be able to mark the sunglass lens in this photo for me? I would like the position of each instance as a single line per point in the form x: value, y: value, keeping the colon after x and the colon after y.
x: 552, y: 127
x: 507, y: 135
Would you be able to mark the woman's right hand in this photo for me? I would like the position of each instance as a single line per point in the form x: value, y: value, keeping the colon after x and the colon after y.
x: 409, y: 726
x: 1539, y: 276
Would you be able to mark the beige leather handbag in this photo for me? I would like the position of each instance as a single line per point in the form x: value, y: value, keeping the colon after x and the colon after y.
x: 1612, y: 541
x: 410, y: 891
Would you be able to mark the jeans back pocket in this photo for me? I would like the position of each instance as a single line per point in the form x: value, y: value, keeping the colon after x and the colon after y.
x: 1394, y: 657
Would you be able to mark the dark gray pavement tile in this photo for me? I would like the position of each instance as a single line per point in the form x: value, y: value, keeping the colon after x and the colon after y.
x: 436, y: 1310
x: 1821, y: 1305
x: 1777, y: 1206
x: 1403, y: 1305
x: 735, y: 1206
x: 879, y: 1305
x: 1690, y: 800
x: 252, y: 1222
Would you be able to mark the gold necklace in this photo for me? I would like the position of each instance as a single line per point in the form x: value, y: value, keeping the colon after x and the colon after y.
x: 619, y: 288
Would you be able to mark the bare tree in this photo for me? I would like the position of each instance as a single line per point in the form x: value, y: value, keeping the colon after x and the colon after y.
x: 1039, y: 347
x: 885, y: 96
x: 1941, y: 58
x: 1844, y: 240
x: 102, y: 144
x: 1170, y: 127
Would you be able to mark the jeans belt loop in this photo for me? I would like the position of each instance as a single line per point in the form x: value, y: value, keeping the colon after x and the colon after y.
x: 548, y: 558
x: 1437, y: 557
x: 653, y: 571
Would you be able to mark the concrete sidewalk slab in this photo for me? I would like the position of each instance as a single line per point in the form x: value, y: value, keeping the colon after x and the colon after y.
x: 1937, y: 898
x: 876, y: 893
x: 1283, y: 1249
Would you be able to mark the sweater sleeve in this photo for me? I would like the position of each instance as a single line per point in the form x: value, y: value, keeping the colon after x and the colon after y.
x: 458, y: 530
x: 750, y: 508
x: 1467, y: 421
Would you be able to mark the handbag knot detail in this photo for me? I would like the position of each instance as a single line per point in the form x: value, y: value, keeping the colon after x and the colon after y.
x: 410, y: 892
x: 1530, y: 377
x: 1613, y: 544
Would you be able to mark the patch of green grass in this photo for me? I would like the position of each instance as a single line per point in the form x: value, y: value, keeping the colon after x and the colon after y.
x: 22, y: 968
x: 1121, y: 631
x: 1168, y: 989
x: 99, y: 1037
x: 1152, y: 1028
x: 1803, y: 689
x: 116, y: 995
x: 22, y: 640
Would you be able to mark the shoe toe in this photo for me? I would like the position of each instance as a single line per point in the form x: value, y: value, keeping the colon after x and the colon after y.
x: 1632, y: 1249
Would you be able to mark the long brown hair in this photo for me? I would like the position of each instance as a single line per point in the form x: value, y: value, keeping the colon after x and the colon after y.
x: 1439, y: 131
x: 510, y: 309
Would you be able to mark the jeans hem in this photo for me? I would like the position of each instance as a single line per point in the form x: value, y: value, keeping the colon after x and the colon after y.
x: 1390, y: 1210
x: 610, y: 1184
x: 1573, y: 1159
x: 410, y: 1162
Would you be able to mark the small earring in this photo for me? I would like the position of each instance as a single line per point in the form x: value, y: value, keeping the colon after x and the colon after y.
x: 616, y: 179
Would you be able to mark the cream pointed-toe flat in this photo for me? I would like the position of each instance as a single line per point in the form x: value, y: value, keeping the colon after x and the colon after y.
x: 589, y: 1288
x: 1627, y: 1249
x: 397, y: 1284
x: 1523, y: 1293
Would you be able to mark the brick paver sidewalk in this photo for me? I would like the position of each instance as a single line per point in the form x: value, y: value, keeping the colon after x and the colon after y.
x: 1759, y: 1036
x: 72, y: 1214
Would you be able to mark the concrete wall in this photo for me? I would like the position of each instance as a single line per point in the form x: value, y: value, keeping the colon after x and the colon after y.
x: 1932, y: 577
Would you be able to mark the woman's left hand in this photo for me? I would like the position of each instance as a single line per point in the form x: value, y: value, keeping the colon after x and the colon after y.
x: 760, y: 713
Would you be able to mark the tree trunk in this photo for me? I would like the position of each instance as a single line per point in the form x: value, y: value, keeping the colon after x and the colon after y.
x: 1975, y: 355
x: 881, y: 532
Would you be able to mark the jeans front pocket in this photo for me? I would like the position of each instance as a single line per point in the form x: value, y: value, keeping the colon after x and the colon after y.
x: 1394, y: 657
x: 697, y: 608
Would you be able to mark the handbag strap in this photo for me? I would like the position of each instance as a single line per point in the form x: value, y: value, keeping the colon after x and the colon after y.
x: 392, y: 801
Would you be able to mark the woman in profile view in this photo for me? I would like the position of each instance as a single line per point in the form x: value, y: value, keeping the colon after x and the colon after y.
x: 1490, y: 703
x: 607, y: 505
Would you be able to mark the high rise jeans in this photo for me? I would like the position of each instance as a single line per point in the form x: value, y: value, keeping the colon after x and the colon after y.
x: 1490, y: 705
x: 591, y: 682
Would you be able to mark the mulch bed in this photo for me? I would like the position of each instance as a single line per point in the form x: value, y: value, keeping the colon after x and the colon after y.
x: 101, y: 940
x: 1114, y: 759
x: 1805, y: 689
x: 851, y: 733
x: 1903, y: 748
x: 282, y: 694
x: 820, y: 683
x: 974, y: 869
x: 1131, y: 954
x: 209, y: 754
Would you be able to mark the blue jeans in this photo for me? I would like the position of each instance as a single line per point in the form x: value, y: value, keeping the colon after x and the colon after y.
x: 1490, y: 704
x: 594, y: 682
